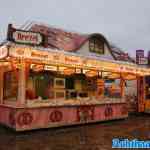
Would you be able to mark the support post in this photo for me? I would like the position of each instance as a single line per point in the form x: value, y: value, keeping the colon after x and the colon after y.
x: 22, y: 84
x: 141, y: 93
x: 122, y: 85
x: 1, y: 84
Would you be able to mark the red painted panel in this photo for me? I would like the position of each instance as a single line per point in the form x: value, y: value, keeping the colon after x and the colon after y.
x: 29, y: 118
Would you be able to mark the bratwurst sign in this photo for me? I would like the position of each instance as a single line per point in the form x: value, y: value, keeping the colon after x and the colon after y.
x: 27, y: 37
x: 24, y: 37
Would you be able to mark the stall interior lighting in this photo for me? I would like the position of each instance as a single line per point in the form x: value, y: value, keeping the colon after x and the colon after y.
x: 128, y: 76
x: 37, y: 68
x: 78, y: 70
x: 69, y: 71
x: 91, y: 73
x: 114, y: 75
x: 50, y: 68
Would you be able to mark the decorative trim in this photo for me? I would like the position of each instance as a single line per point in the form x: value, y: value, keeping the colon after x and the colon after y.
x: 11, y: 117
x: 108, y: 111
x: 124, y: 110
x: 24, y: 118
x: 85, y: 113
x: 56, y: 116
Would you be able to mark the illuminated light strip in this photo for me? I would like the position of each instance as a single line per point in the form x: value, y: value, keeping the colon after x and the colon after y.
x: 91, y: 73
x: 52, y: 68
x: 63, y: 59
x: 69, y: 71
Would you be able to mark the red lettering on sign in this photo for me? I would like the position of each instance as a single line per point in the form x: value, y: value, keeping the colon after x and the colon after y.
x: 24, y: 37
x: 71, y: 60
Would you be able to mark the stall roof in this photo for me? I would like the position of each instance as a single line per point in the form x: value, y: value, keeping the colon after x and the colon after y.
x: 69, y: 42
x: 72, y: 41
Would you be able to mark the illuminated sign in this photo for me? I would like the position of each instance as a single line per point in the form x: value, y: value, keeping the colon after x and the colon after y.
x: 52, y: 68
x: 59, y: 58
x: 24, y: 37
x: 37, y: 67
x: 3, y: 52
x: 27, y: 37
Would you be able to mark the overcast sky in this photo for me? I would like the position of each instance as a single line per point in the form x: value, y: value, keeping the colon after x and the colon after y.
x: 124, y: 22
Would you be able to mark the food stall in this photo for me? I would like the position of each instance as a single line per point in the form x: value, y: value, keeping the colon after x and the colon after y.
x: 144, y: 94
x: 42, y: 88
x: 143, y: 83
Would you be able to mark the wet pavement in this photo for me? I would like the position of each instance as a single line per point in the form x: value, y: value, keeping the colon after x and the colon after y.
x: 90, y: 137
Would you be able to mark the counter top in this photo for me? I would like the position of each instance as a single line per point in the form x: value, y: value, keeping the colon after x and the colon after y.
x: 67, y: 103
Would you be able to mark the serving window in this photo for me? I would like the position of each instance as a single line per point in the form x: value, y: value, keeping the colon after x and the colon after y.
x: 65, y: 83
x: 40, y: 85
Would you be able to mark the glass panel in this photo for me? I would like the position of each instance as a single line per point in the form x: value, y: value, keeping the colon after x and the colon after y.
x: 10, y: 85
x: 96, y: 45
x: 91, y: 45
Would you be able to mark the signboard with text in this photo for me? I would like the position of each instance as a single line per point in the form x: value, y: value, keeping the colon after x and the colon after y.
x: 24, y: 37
x: 56, y: 58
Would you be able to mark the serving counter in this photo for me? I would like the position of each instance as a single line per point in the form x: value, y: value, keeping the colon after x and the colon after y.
x: 46, y: 114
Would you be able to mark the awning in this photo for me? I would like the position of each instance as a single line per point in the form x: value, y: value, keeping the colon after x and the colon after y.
x: 61, y: 58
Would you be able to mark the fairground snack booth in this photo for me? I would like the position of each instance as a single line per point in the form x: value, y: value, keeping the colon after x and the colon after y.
x: 43, y: 86
x: 143, y: 82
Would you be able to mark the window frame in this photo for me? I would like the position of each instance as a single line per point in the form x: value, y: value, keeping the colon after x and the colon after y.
x: 95, y: 43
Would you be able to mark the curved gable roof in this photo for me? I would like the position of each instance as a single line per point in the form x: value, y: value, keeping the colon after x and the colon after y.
x: 72, y: 41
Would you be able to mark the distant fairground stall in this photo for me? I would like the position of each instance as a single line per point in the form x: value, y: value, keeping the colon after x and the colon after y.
x: 50, y: 77
x: 143, y: 82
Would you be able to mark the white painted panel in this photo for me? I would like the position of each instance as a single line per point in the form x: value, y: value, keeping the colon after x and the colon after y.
x: 84, y: 50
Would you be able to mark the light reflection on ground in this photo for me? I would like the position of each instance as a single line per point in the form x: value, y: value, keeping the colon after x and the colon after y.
x: 90, y: 137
